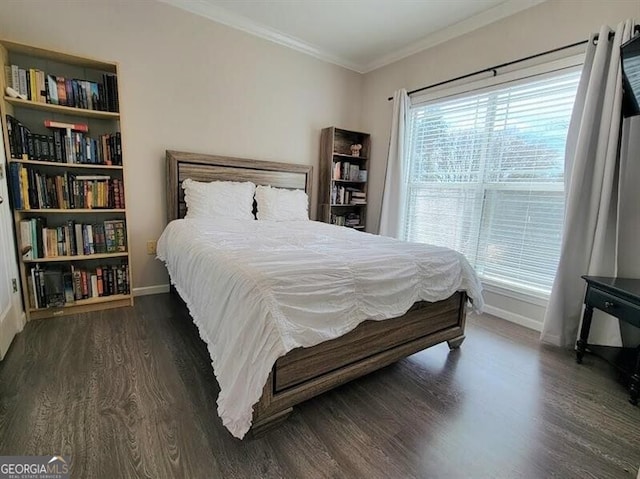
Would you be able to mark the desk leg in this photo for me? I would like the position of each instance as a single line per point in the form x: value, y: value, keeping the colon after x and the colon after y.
x: 635, y: 389
x: 584, y: 333
x: 634, y: 383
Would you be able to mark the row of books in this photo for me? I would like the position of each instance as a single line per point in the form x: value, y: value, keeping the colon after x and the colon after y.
x: 350, y: 219
x: 40, y: 87
x: 37, y: 240
x: 343, y: 170
x: 67, y: 144
x: 58, y: 286
x: 346, y: 195
x: 31, y: 189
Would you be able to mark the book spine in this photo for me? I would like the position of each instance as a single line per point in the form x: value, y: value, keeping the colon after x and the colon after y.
x: 127, y: 279
x: 33, y: 84
x: 67, y: 280
x: 15, y: 78
x: 15, y: 184
x: 90, y: 239
x: 71, y: 234
x: 35, y: 289
x: 57, y: 140
x: 7, y: 76
x: 121, y: 236
x: 118, y: 142
x: 85, y: 239
x: 42, y: 86
x: 85, y: 284
x: 26, y: 241
x: 77, y: 285
x: 94, y: 286
x: 68, y: 88
x: 79, y: 239
x: 52, y: 88
x: 24, y: 189
x: 62, y: 92
x: 110, y: 237
x: 42, y: 289
x: 100, y: 281
x: 11, y: 136
x: 28, y: 80
x: 60, y: 238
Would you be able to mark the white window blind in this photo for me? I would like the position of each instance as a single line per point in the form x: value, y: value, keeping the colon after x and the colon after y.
x: 486, y: 177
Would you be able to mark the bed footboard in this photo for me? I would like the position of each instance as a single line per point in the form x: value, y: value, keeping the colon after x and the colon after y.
x: 307, y: 372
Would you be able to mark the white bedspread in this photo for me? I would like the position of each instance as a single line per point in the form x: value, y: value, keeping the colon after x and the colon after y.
x: 258, y: 289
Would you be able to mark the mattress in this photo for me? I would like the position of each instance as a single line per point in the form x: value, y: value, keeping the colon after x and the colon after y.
x: 258, y: 289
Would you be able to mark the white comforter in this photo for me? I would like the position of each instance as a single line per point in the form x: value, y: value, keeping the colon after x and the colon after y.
x: 258, y: 289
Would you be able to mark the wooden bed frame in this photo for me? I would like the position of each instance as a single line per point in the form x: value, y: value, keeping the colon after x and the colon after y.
x: 306, y: 372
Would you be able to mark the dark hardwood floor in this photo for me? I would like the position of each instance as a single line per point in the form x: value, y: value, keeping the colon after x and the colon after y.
x: 130, y: 393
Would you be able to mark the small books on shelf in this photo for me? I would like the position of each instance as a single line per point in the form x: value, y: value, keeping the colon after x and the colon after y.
x: 343, y: 170
x: 349, y: 219
x: 358, y: 198
x: 37, y: 240
x: 60, y: 286
x: 346, y: 195
x: 32, y: 189
x: 67, y: 144
x: 41, y: 87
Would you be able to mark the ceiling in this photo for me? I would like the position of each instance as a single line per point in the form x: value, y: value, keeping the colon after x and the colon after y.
x: 361, y: 35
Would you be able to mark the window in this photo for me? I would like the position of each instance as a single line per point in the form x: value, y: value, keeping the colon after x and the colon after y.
x: 486, y: 177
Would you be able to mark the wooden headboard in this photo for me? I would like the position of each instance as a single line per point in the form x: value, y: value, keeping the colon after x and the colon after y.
x: 199, y: 167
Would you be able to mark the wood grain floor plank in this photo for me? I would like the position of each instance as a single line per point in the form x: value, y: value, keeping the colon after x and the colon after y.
x: 131, y: 393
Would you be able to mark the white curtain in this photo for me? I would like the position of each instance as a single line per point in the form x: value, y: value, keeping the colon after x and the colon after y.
x: 592, y: 176
x: 393, y: 196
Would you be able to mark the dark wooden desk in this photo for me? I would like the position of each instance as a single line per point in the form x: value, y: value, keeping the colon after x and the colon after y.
x: 619, y: 297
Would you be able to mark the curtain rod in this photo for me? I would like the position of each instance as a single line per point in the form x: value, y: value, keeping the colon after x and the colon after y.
x: 502, y: 65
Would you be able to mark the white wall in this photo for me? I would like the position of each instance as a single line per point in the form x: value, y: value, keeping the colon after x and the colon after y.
x: 546, y: 26
x: 188, y: 83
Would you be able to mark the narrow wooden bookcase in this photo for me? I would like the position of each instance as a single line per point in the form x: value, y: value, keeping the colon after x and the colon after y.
x: 32, y: 113
x: 342, y: 191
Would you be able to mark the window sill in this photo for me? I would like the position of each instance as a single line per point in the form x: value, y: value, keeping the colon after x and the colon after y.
x: 520, y: 294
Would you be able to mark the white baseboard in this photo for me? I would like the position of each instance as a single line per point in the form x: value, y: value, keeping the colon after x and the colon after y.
x: 513, y: 317
x: 147, y: 290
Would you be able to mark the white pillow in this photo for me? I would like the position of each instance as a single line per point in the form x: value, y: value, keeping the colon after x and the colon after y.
x: 219, y: 199
x: 277, y: 204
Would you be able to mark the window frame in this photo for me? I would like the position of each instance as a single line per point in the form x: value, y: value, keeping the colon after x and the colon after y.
x: 486, y: 85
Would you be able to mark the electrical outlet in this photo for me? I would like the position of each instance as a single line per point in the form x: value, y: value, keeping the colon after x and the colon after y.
x: 151, y: 246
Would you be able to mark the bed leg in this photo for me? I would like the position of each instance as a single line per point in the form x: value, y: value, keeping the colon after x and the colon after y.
x: 455, y: 343
x: 261, y: 426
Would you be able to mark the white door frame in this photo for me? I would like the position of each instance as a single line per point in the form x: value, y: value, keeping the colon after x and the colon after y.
x: 12, y: 317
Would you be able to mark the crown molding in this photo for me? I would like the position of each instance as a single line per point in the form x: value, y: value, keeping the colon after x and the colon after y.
x: 239, y: 22
x: 470, y: 24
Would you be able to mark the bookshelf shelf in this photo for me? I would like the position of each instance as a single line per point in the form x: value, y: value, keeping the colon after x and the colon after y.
x: 83, y: 257
x: 65, y: 110
x: 66, y: 165
x: 71, y: 211
x: 41, y: 142
x: 342, y: 179
x: 345, y: 155
x: 82, y: 306
x: 84, y: 302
